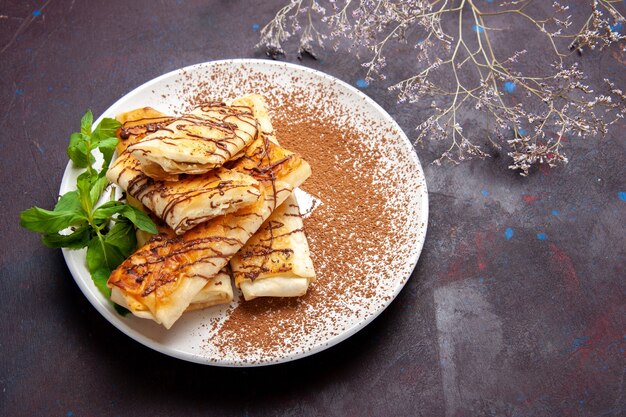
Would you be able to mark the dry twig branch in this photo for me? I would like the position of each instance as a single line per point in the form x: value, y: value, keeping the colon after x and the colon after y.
x: 459, y: 69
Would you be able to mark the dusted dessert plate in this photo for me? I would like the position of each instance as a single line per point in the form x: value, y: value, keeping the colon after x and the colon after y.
x: 344, y: 300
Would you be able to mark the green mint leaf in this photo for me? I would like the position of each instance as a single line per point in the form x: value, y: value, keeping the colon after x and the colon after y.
x: 106, y: 129
x: 86, y: 122
x: 102, y: 256
x: 105, y: 140
x: 107, y: 148
x: 83, y: 183
x: 46, y: 221
x: 98, y: 187
x: 106, y: 248
x: 96, y: 258
x: 69, y: 201
x: 107, y: 210
x: 100, y: 278
x: 77, y: 151
x: 122, y: 236
x: 76, y: 240
x: 140, y: 219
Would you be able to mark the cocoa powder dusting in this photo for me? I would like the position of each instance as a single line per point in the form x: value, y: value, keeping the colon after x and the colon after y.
x: 347, y: 227
x: 360, y: 235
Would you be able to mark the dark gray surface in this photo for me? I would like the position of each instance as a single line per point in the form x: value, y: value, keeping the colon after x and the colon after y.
x: 489, y: 324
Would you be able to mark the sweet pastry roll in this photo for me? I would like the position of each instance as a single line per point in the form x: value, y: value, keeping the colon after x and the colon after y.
x: 218, y: 290
x: 185, y: 203
x: 167, y: 274
x: 196, y: 143
x: 215, y: 290
x: 276, y: 261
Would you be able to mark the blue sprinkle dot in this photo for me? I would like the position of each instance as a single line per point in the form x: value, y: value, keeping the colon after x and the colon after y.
x: 555, y: 212
x: 489, y: 1
x: 19, y: 91
x: 622, y: 195
x: 70, y: 413
x: 484, y: 192
x: 478, y: 29
x: 255, y: 27
x: 616, y: 27
x: 509, y: 86
x: 36, y: 13
x: 362, y: 83
x: 579, y: 342
x: 521, y: 131
x: 508, y: 233
x: 542, y: 236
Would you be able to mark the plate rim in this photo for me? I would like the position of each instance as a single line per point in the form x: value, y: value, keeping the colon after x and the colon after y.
x: 93, y: 298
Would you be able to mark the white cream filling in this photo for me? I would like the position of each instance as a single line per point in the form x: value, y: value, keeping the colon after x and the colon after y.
x: 218, y: 290
x: 275, y: 287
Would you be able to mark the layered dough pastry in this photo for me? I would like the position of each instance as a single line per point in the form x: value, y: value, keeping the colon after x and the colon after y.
x: 276, y: 261
x: 185, y: 202
x: 190, y: 201
x: 195, y: 143
x: 216, y: 290
x: 164, y: 277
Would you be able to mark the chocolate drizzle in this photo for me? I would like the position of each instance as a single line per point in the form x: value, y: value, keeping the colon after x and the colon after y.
x: 174, y: 255
x: 148, y: 124
x: 167, y: 259
x: 222, y: 189
x: 264, y: 253
x: 213, y: 134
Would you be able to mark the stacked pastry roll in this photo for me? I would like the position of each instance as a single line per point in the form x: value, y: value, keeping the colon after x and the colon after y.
x: 220, y: 187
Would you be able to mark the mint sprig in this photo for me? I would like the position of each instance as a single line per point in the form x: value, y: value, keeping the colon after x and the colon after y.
x: 108, y: 230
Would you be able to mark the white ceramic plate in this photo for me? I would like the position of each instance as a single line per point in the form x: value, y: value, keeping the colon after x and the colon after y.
x: 188, y: 339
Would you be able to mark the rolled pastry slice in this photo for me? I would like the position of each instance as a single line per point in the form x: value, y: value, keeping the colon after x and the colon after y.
x: 258, y: 106
x: 216, y: 290
x: 135, y: 123
x: 166, y: 274
x: 185, y: 203
x: 276, y: 261
x: 197, y: 142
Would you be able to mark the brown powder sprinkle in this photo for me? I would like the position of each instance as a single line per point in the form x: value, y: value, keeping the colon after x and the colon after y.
x: 364, y: 236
